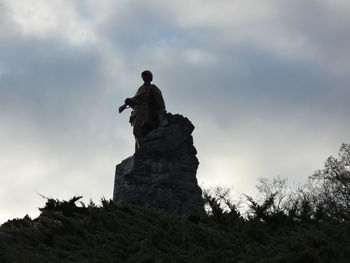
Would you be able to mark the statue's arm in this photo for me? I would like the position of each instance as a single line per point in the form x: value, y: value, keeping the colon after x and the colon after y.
x: 136, y: 100
x: 130, y: 102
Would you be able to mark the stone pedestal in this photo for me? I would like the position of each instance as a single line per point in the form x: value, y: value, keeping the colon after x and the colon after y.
x: 162, y: 174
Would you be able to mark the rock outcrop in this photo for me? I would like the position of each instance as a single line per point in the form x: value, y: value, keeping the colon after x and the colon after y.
x: 162, y: 174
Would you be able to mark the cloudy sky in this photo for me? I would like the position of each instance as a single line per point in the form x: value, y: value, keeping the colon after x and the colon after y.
x: 266, y: 83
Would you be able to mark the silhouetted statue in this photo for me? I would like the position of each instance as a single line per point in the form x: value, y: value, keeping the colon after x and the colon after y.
x: 148, y: 105
x: 162, y: 172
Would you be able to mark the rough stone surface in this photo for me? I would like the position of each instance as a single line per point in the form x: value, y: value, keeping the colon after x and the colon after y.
x: 163, y: 173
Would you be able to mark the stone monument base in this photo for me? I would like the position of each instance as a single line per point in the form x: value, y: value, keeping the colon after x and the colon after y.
x: 162, y: 174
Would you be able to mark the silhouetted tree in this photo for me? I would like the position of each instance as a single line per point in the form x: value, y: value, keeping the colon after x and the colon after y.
x: 218, y: 202
x: 332, y: 185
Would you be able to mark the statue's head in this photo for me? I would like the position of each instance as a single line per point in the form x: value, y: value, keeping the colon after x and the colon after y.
x: 147, y: 76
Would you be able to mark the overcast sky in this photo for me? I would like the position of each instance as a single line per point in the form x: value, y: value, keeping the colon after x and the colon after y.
x: 266, y: 84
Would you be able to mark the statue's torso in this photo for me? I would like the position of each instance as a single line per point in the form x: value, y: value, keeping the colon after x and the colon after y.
x: 148, y: 106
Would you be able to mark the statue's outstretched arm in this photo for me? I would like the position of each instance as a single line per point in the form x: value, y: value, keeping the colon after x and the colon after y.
x: 136, y: 100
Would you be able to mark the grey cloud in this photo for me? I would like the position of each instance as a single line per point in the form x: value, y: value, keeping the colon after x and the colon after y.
x: 325, y: 26
x: 315, y: 32
x: 46, y: 80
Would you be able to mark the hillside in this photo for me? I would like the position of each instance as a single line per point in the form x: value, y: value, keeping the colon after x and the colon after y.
x: 67, y: 232
x: 309, y: 223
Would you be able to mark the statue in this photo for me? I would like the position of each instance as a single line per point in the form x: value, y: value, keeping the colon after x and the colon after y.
x: 148, y: 106
x: 162, y: 172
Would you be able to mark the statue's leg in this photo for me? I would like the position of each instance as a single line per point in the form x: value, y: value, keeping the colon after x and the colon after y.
x: 137, y: 145
x: 138, y: 135
x: 140, y: 132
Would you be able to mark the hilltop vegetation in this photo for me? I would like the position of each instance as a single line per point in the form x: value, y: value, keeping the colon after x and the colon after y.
x: 309, y: 223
